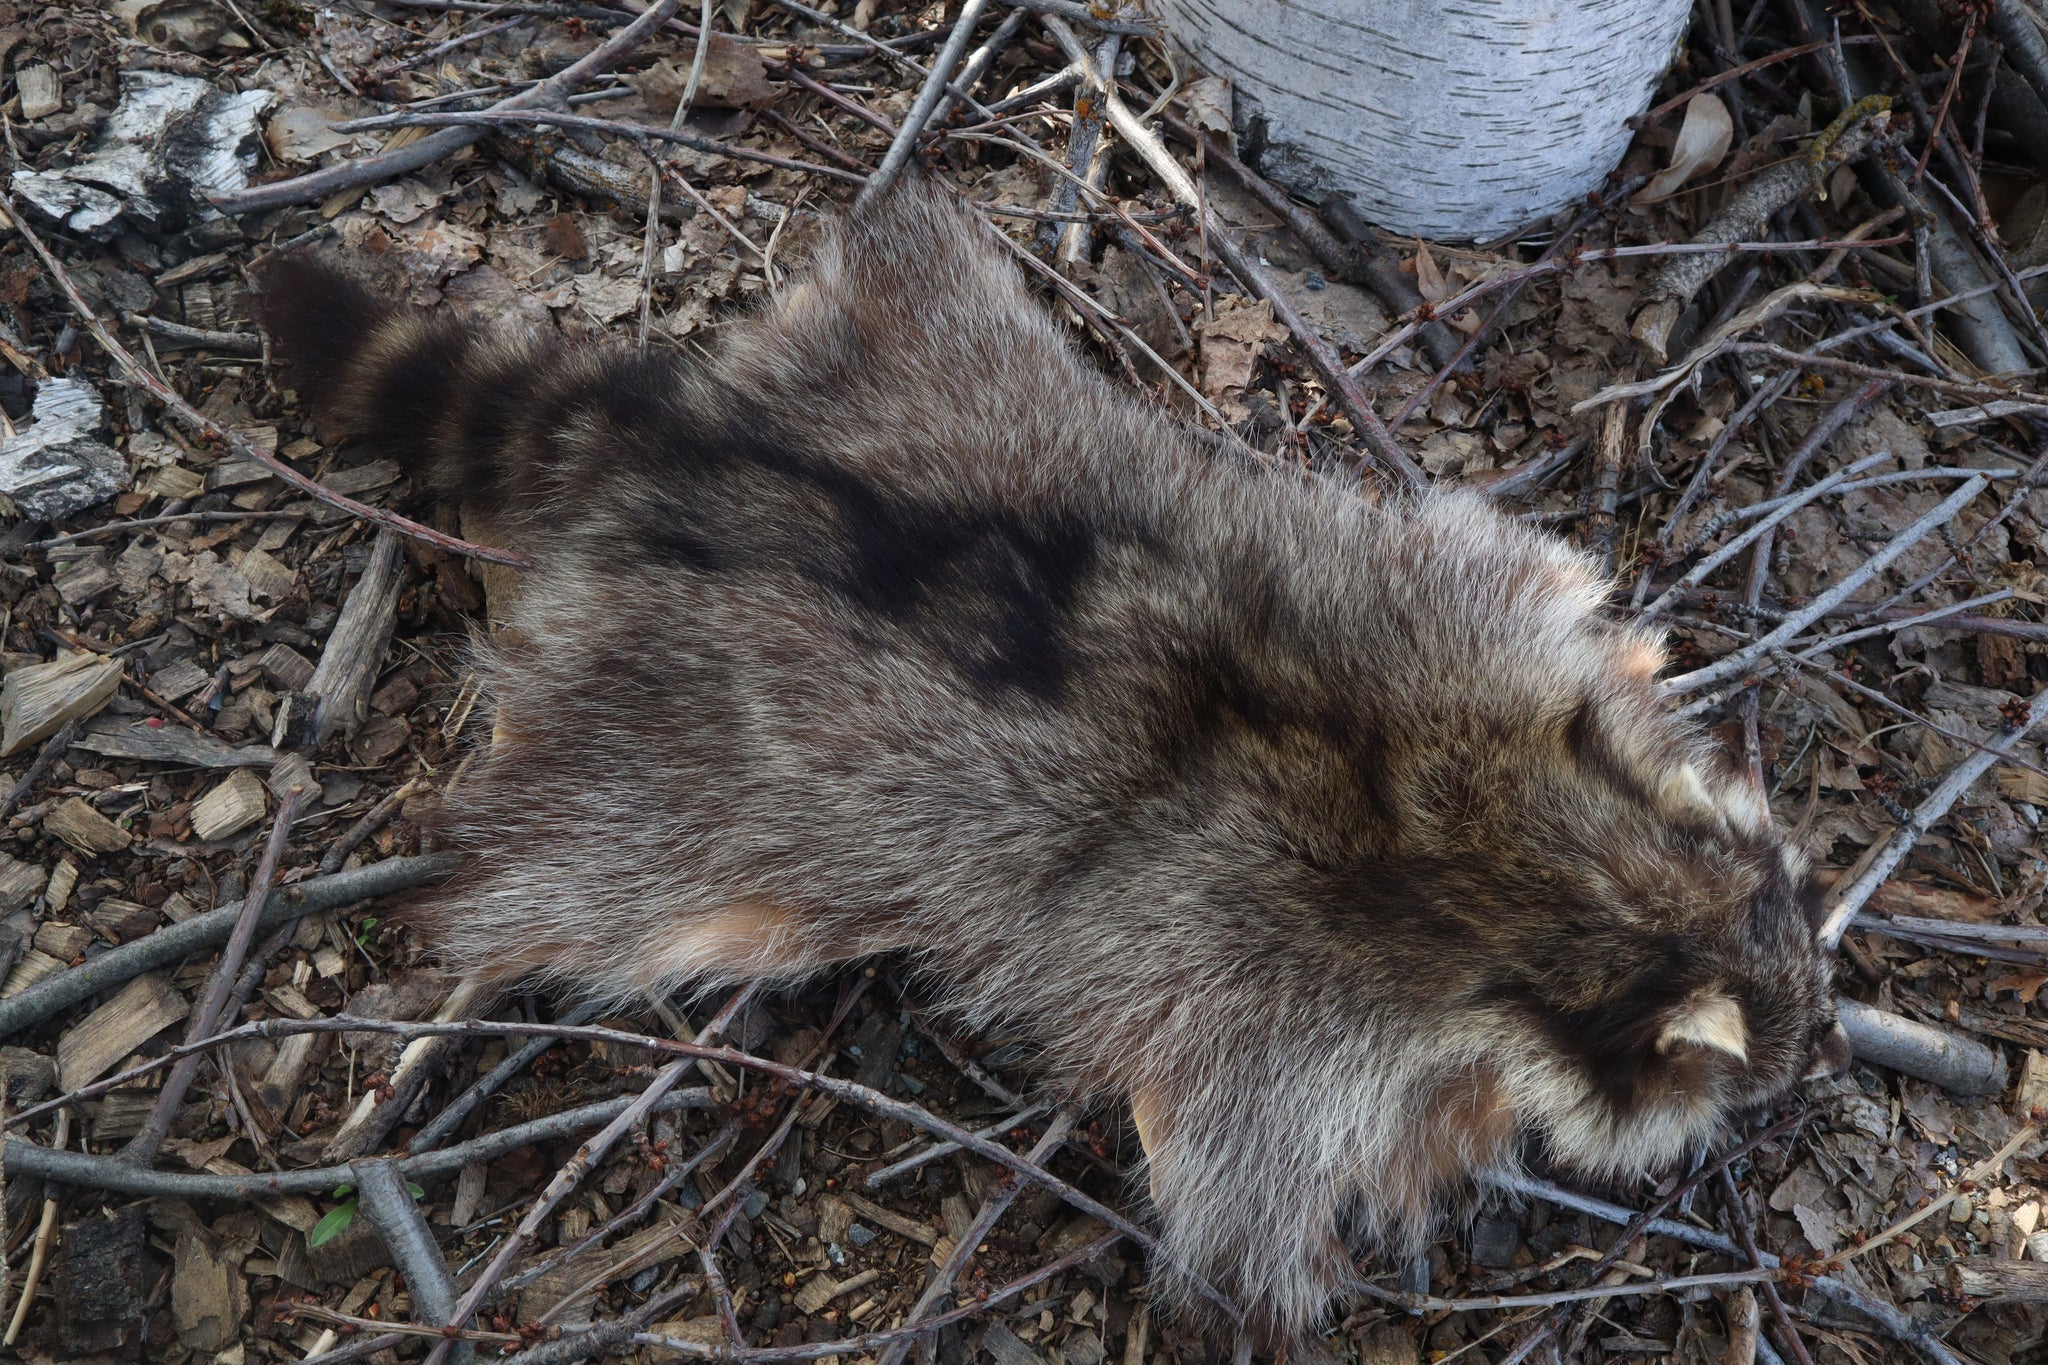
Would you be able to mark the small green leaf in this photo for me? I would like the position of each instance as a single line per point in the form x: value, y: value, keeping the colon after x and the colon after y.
x: 332, y: 1226
x: 417, y: 1192
x: 343, y: 1191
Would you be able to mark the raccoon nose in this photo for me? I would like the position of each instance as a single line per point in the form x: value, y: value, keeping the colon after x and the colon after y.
x: 1831, y: 1056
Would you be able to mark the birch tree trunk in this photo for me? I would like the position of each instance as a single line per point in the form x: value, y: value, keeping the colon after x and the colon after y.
x: 1451, y: 119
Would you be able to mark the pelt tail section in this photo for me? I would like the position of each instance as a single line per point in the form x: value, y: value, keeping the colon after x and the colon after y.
x: 473, y: 411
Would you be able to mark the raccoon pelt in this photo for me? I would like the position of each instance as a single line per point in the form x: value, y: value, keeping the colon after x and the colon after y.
x: 1346, y: 842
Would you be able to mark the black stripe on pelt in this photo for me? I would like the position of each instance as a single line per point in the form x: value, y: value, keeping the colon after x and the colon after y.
x: 413, y: 389
x: 992, y: 590
x: 1615, y: 1041
x: 317, y: 316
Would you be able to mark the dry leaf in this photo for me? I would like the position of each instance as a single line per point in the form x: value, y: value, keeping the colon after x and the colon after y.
x: 1431, y: 283
x: 299, y: 132
x: 1209, y: 107
x: 733, y: 78
x: 1230, y: 342
x: 1703, y: 140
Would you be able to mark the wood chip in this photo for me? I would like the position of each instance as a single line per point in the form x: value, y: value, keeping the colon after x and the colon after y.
x: 66, y: 942
x: 173, y: 744
x: 20, y: 883
x: 84, y: 828
x: 229, y: 808
x: 282, y: 664
x: 40, y: 93
x: 84, y: 580
x: 892, y: 1220
x: 121, y: 921
x: 209, y: 1297
x: 34, y: 966
x: 175, y: 481
x: 270, y: 580
x: 2032, y: 1092
x: 2000, y: 1281
x: 103, y: 1283
x: 291, y: 1004
x: 293, y: 773
x: 137, y: 1012
x: 193, y: 269
x: 364, y: 477
x: 37, y: 701
x: 179, y: 679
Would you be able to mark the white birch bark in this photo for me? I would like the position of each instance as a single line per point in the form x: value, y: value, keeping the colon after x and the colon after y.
x: 1454, y: 119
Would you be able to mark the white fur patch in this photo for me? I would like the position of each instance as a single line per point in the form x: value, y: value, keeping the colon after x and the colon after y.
x: 1712, y: 1021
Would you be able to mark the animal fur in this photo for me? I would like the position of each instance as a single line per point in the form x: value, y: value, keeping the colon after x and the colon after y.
x: 1347, y: 842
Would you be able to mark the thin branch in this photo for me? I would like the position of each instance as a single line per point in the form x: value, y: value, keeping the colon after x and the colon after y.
x: 1849, y: 896
x: 1350, y: 399
x: 110, y: 1173
x: 498, y: 117
x: 371, y: 170
x: 53, y: 749
x: 213, y: 1006
x: 174, y: 942
x: 927, y: 102
x: 1735, y: 664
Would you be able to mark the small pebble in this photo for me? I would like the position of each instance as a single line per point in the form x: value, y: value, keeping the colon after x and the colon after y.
x: 912, y: 1084
x: 1312, y: 280
x: 644, y: 1281
x: 756, y: 1202
x: 859, y: 1235
x: 1961, y: 1209
x: 835, y: 1253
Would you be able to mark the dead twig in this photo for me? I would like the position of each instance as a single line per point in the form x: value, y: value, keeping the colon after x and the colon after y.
x: 372, y: 170
x: 52, y: 750
x: 1351, y: 399
x: 174, y: 942
x: 95, y: 1172
x: 926, y: 103
x: 1735, y: 664
x: 1849, y: 895
x: 212, y: 1012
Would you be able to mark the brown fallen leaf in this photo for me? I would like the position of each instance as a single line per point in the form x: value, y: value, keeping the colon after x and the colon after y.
x: 1230, y: 343
x: 733, y: 78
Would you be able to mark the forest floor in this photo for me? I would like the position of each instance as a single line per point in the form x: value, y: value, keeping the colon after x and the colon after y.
x: 221, y: 683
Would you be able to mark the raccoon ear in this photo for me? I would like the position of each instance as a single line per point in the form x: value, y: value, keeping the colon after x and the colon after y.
x: 1712, y: 1021
x: 1149, y: 1117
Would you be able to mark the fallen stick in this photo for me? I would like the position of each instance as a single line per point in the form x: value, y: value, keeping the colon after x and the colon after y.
x: 1890, y: 1318
x: 215, y: 1004
x: 372, y: 170
x: 1960, y: 1065
x: 95, y: 1172
x: 1735, y: 664
x: 561, y: 1187
x: 940, y: 1285
x: 382, y: 1194
x: 175, y: 942
x: 927, y: 102
x: 1747, y: 214
x: 1848, y: 896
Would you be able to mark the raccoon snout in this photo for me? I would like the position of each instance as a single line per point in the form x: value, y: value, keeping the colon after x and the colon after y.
x: 1830, y: 1055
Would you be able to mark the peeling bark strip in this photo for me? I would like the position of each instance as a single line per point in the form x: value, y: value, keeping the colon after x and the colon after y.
x: 1461, y: 119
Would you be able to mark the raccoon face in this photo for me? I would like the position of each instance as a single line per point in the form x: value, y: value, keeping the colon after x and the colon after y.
x: 1681, y: 983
